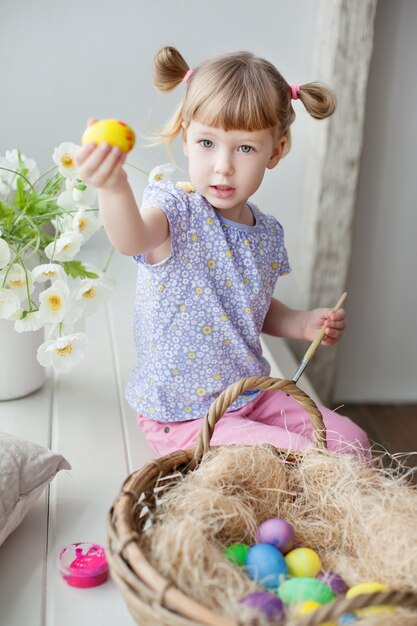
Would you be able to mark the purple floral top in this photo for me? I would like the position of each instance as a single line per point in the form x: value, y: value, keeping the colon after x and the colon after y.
x: 199, y: 313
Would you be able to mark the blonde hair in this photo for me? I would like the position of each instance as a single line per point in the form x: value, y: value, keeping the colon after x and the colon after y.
x: 236, y: 91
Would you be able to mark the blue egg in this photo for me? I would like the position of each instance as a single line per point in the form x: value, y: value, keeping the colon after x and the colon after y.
x: 266, y: 565
x: 347, y: 618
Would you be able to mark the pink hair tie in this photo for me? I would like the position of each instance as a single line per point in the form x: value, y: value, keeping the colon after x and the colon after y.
x: 188, y: 75
x: 294, y: 91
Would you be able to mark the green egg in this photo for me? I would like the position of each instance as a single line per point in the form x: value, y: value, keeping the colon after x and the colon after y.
x: 236, y: 553
x: 302, y: 589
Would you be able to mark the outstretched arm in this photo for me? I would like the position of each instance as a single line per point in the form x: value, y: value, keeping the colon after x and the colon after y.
x: 130, y: 231
x: 281, y: 321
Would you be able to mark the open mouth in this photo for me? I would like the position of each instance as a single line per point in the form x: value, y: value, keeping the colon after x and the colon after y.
x: 222, y: 191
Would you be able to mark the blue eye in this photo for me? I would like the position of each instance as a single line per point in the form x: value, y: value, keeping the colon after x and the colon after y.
x: 246, y: 149
x: 206, y: 143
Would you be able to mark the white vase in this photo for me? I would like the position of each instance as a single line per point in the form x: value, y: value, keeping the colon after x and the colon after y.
x: 20, y: 372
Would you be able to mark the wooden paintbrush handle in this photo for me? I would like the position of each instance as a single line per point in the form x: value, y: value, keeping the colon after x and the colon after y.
x: 320, y: 335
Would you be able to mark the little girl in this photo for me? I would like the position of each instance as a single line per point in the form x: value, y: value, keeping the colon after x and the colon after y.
x: 208, y: 259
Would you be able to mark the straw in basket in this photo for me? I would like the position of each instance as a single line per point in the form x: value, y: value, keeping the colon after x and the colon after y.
x: 151, y: 598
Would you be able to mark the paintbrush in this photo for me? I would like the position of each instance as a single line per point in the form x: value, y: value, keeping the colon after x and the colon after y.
x: 315, y: 343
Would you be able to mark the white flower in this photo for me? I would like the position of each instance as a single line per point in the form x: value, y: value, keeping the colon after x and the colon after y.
x: 65, y: 248
x: 104, y: 279
x: 76, y: 192
x: 9, y: 303
x: 63, y: 223
x: 55, y: 302
x: 4, y: 253
x: 107, y: 281
x: 66, y: 201
x: 48, y: 271
x: 85, y: 223
x: 161, y: 173
x: 64, y: 157
x: 33, y: 321
x: 67, y: 326
x: 90, y: 293
x: 83, y: 193
x: 63, y: 353
x: 11, y: 161
x: 18, y: 281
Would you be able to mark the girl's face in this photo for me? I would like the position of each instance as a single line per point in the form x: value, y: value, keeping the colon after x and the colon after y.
x: 227, y: 167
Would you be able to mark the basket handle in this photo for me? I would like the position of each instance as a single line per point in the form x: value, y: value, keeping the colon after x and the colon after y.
x: 262, y: 383
x: 339, y: 606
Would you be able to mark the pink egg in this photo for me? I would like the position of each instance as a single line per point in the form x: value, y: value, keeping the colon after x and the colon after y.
x: 278, y: 533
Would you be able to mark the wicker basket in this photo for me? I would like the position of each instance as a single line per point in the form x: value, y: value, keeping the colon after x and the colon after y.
x: 150, y: 597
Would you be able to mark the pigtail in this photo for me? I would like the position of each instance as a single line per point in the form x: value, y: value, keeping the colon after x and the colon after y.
x: 318, y: 99
x: 169, y: 69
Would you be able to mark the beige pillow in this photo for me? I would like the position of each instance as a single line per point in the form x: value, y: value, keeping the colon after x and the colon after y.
x: 25, y: 470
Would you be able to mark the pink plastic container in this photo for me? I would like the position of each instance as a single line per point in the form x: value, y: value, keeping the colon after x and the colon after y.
x: 83, y: 565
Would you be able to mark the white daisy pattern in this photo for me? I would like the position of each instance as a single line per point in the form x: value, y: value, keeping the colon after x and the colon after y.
x: 199, y: 313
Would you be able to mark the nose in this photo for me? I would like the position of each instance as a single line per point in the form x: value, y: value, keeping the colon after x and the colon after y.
x: 224, y: 163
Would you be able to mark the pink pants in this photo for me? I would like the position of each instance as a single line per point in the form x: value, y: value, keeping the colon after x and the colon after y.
x: 272, y: 417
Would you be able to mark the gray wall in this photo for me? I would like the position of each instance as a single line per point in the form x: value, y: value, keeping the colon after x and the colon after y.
x: 378, y: 357
x: 62, y: 62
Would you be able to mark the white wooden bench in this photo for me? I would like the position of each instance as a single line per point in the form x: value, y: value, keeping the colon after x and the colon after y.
x: 84, y: 416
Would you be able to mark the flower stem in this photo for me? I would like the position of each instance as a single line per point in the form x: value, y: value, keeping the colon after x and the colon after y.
x: 51, y: 169
x: 7, y: 169
x: 109, y: 258
x: 135, y: 167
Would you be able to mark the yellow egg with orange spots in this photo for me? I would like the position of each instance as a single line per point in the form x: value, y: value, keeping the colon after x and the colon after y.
x: 113, y: 132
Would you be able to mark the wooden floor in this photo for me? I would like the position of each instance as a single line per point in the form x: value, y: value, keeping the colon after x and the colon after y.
x: 390, y: 426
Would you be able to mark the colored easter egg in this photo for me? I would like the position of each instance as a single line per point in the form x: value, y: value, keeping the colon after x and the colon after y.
x: 309, y: 607
x: 334, y: 581
x: 297, y: 590
x: 277, y: 532
x: 237, y: 553
x: 369, y: 587
x: 266, y: 565
x: 303, y: 562
x: 269, y: 604
x: 113, y: 132
x: 347, y: 618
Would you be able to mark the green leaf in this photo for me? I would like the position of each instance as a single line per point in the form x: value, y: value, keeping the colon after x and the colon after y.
x: 7, y: 215
x: 53, y: 185
x: 80, y: 185
x: 76, y: 269
x: 21, y: 184
x: 20, y: 196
